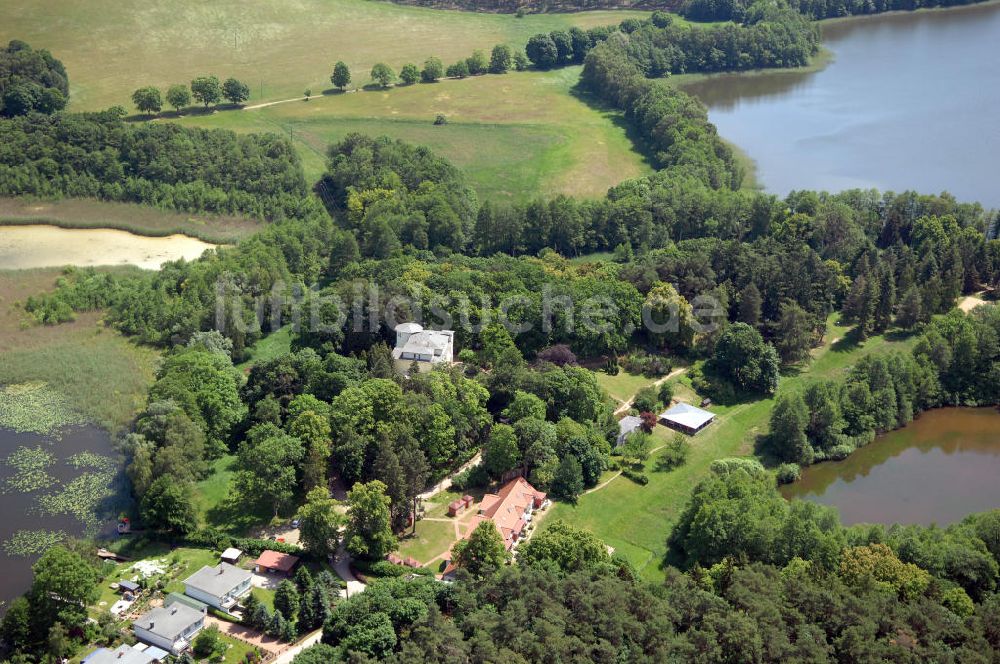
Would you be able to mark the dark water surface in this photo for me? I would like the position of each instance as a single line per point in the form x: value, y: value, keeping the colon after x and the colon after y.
x: 910, y: 102
x: 19, y: 511
x: 941, y: 467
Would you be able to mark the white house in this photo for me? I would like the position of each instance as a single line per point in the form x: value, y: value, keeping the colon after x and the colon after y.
x: 425, y: 347
x: 221, y: 586
x: 123, y: 654
x: 169, y: 627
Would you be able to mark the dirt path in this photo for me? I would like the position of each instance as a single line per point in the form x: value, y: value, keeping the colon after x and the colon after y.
x: 618, y: 474
x: 445, y: 484
x: 970, y: 302
x: 628, y: 404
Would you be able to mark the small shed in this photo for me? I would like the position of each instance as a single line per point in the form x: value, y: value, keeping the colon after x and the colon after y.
x: 686, y: 418
x: 394, y: 559
x: 231, y: 555
x: 128, y: 587
x: 411, y: 562
x: 468, y: 500
x: 455, y: 507
x: 278, y: 563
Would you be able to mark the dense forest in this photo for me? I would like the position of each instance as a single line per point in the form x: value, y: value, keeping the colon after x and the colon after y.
x: 31, y: 81
x: 737, y: 10
x: 99, y: 155
x: 766, y: 581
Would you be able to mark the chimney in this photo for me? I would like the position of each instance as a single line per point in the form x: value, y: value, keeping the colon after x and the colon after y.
x: 173, y: 610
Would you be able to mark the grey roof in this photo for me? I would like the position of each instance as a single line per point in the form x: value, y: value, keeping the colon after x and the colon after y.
x: 123, y: 654
x: 169, y: 622
x: 426, y: 342
x: 184, y: 599
x: 627, y: 425
x: 159, y: 654
x: 409, y: 328
x: 232, y: 553
x: 128, y: 585
x: 687, y: 415
x: 218, y: 580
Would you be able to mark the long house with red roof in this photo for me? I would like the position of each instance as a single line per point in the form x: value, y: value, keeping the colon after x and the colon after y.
x: 510, y: 509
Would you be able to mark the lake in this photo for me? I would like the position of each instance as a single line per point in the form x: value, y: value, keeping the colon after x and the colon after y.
x: 909, y: 102
x: 23, y: 247
x: 941, y: 467
x: 22, y: 509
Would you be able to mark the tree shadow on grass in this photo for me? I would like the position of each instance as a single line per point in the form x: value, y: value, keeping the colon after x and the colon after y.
x: 617, y: 118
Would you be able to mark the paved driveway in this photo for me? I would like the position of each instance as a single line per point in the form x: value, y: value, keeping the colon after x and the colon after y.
x: 252, y: 636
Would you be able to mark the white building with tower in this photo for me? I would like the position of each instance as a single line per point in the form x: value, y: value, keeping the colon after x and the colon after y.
x: 428, y: 348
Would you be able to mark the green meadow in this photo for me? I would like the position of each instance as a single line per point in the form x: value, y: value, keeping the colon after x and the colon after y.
x: 515, y: 136
x: 636, y: 520
x: 112, y: 47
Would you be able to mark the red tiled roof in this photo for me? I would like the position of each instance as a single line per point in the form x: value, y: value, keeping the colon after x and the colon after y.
x: 506, y: 508
x: 281, y: 562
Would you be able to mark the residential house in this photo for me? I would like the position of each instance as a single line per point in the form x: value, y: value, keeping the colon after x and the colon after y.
x: 686, y: 418
x: 626, y: 426
x: 510, y: 510
x: 427, y: 348
x: 169, y: 627
x: 123, y: 654
x: 221, y: 586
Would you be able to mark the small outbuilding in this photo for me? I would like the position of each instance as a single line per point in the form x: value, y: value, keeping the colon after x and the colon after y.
x: 626, y: 426
x: 231, y: 555
x: 276, y: 563
x: 686, y: 418
x: 128, y: 587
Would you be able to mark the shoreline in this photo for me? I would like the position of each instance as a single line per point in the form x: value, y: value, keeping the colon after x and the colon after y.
x: 133, y: 218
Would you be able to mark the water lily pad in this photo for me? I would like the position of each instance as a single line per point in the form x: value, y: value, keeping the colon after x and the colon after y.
x: 32, y: 542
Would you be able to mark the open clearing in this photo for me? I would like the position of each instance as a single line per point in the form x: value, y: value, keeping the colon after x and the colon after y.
x: 104, y: 375
x: 112, y: 47
x: 514, y: 136
x: 636, y: 520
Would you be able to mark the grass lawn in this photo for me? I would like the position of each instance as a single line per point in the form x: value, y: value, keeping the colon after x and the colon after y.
x: 623, y: 386
x: 237, y: 649
x: 104, y: 376
x: 636, y: 520
x: 140, y: 219
x: 432, y: 539
x: 273, y: 345
x: 110, y: 47
x: 514, y: 136
x: 216, y: 510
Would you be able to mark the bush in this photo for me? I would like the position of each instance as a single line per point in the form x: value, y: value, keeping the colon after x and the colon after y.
x: 381, y: 568
x: 636, y: 476
x: 788, y: 473
x: 208, y: 642
x: 728, y: 465
x: 651, y: 366
x: 841, y: 452
x: 471, y: 477
x: 560, y: 355
x: 646, y: 400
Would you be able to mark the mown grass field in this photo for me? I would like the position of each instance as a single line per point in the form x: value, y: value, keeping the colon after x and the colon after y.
x: 514, y: 136
x: 140, y: 219
x: 103, y: 375
x: 112, y: 47
x: 636, y: 520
